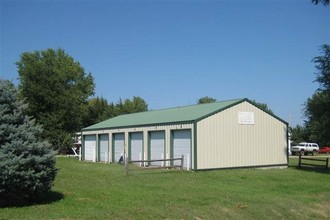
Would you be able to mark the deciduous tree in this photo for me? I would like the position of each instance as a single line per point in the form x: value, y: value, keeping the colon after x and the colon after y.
x: 263, y: 106
x: 317, y: 108
x: 137, y: 104
x: 99, y: 110
x: 299, y: 134
x: 324, y: 2
x: 206, y: 99
x: 56, y: 88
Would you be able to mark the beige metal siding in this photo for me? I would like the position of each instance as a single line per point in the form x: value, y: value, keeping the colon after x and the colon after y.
x: 222, y: 142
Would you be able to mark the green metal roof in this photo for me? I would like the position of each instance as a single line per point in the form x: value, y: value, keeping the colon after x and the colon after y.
x: 165, y: 116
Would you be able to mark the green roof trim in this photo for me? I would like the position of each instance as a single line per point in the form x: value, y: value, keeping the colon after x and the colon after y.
x: 185, y: 114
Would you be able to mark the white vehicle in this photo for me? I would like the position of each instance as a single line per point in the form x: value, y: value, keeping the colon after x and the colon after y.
x: 305, y: 148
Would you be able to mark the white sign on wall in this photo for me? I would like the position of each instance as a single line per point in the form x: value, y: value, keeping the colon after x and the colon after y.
x: 246, y: 118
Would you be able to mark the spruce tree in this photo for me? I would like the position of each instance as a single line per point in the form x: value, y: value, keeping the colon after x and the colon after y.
x: 27, y: 163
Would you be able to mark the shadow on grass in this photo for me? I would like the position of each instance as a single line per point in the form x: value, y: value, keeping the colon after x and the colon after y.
x: 46, y: 198
x: 312, y: 169
x: 311, y: 164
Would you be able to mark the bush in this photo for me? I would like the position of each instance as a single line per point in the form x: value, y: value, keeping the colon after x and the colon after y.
x: 27, y: 163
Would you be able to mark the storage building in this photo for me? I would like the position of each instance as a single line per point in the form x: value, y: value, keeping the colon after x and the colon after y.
x: 226, y: 134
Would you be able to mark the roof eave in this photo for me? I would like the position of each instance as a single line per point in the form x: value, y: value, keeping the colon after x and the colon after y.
x: 140, y: 125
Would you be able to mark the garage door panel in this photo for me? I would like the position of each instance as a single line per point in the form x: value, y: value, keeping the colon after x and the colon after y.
x: 119, y: 142
x: 182, y: 145
x: 157, y: 146
x: 89, y: 147
x: 136, y: 145
x: 104, y: 147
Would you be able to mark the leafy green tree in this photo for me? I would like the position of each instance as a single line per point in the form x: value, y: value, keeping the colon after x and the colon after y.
x: 137, y: 104
x: 317, y: 108
x: 299, y: 133
x: 263, y: 106
x: 206, y: 99
x: 56, y: 88
x: 324, y: 2
x: 99, y: 110
x: 27, y: 163
x: 322, y: 65
x: 318, y: 114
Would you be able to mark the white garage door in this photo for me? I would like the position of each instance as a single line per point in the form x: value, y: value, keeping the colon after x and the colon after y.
x: 89, y: 145
x: 136, y: 146
x: 182, y: 145
x: 104, y: 147
x: 118, y: 145
x: 157, y: 146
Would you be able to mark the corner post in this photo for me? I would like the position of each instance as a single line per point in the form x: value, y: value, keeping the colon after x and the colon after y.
x: 126, y: 165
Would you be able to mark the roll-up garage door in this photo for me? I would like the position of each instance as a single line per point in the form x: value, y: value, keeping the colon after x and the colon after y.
x: 119, y: 141
x: 89, y: 145
x: 157, y: 146
x: 182, y: 145
x: 136, y: 146
x: 104, y: 147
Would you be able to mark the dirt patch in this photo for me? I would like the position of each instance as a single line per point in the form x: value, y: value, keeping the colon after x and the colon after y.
x: 322, y: 210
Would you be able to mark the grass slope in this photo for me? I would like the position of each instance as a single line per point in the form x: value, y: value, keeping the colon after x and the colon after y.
x: 101, y: 191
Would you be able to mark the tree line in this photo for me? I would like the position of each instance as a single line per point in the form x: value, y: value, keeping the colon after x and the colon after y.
x: 54, y: 99
x: 60, y: 96
x: 316, y: 127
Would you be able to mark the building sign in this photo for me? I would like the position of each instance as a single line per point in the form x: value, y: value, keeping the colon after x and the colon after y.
x: 246, y: 118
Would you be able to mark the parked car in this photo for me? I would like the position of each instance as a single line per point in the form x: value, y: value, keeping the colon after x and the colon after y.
x: 305, y: 148
x: 325, y: 150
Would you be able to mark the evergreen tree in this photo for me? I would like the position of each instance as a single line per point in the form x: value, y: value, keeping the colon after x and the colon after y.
x: 27, y: 163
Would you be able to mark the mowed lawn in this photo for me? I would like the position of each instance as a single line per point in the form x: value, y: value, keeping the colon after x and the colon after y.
x: 84, y: 190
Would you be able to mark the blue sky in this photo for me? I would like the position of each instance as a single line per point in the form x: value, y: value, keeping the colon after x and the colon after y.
x: 171, y: 53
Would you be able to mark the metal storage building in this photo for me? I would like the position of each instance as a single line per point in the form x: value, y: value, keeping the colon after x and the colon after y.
x: 226, y: 134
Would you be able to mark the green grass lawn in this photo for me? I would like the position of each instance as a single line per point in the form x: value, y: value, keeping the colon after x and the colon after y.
x: 85, y: 190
